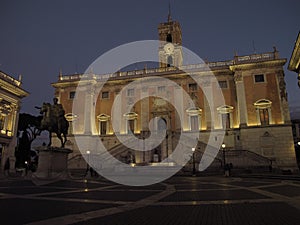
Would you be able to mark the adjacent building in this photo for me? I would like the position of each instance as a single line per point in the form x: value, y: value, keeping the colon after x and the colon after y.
x: 294, y: 64
x: 11, y: 94
x: 255, y: 114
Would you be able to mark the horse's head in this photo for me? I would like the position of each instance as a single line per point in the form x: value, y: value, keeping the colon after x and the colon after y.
x: 45, y: 108
x: 45, y: 111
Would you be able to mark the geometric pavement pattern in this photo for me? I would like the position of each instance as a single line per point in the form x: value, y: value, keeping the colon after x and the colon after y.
x: 179, y: 200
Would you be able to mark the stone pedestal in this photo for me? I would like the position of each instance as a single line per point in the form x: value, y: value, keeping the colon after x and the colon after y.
x: 52, y: 162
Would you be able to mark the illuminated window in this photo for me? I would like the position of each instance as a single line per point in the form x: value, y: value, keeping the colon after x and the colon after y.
x: 70, y: 117
x: 131, y: 120
x: 195, y: 123
x: 264, y: 116
x: 263, y: 110
x: 2, y: 121
x: 194, y: 114
x: 130, y: 126
x: 225, y: 116
x: 225, y: 120
x: 103, y: 123
x: 103, y: 127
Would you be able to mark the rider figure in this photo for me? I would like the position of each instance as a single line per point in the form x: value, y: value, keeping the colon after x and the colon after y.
x: 58, y: 111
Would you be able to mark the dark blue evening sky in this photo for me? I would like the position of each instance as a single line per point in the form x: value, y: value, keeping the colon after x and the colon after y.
x: 37, y: 38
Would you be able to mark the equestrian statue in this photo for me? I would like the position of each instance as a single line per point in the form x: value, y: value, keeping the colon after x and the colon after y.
x: 54, y: 121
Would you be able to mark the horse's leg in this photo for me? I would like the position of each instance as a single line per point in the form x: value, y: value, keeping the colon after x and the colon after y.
x: 60, y: 138
x: 50, y: 139
x: 65, y: 138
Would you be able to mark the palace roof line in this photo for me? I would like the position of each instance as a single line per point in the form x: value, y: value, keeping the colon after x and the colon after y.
x: 238, y: 60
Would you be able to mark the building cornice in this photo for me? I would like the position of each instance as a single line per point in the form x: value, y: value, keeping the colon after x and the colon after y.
x: 13, y: 89
x: 248, y: 66
x: 295, y: 58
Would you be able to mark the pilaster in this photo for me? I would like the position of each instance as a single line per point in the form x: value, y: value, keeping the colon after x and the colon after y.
x: 241, y: 99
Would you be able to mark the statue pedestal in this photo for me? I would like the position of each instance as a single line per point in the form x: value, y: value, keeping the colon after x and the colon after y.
x: 53, y: 162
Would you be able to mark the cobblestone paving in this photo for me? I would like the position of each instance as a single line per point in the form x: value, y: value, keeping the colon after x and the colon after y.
x: 177, y: 201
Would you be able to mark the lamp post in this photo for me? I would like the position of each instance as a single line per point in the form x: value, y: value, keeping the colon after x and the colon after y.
x: 194, y: 168
x: 143, y: 148
x: 224, y: 158
x: 167, y: 149
x: 88, y: 162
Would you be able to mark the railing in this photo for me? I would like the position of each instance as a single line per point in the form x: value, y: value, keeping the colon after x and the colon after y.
x: 153, y: 71
x: 255, y: 57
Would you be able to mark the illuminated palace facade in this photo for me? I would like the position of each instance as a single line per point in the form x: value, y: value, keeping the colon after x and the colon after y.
x: 11, y: 94
x: 255, y: 114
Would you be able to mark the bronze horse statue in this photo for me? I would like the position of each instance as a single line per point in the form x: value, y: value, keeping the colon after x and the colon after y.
x: 54, y: 124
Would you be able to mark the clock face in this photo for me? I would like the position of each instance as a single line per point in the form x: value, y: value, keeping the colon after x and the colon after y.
x: 169, y: 48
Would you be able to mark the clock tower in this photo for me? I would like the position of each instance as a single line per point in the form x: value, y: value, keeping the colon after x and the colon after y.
x: 170, y: 49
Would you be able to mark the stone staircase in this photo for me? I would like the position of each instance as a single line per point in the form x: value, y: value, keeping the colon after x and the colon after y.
x: 242, y: 160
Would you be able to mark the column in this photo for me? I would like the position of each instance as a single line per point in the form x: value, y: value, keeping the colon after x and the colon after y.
x: 89, y: 117
x: 241, y: 99
x: 209, y: 107
x: 13, y: 143
x: 144, y: 114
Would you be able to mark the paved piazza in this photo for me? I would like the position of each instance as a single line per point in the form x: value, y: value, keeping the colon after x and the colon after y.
x: 179, y: 200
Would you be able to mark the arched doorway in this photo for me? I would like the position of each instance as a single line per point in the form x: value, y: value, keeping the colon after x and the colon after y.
x: 162, y: 124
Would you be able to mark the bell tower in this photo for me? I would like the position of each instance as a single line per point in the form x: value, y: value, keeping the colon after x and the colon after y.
x: 170, y: 49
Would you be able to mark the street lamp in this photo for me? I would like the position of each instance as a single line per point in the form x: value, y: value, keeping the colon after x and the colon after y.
x: 143, y: 148
x: 194, y: 168
x: 224, y: 159
x: 88, y: 162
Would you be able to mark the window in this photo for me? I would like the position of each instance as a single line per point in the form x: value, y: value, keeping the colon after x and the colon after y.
x: 193, y: 87
x: 103, y: 127
x: 161, y: 124
x: 105, y: 95
x: 223, y: 84
x: 103, y: 123
x: 195, y: 123
x: 263, y: 109
x: 170, y: 61
x: 70, y: 118
x: 130, y: 126
x: 2, y: 121
x: 194, y: 114
x: 259, y: 78
x: 169, y: 38
x: 225, y: 121
x: 131, y: 119
x: 264, y: 116
x: 161, y: 89
x: 130, y: 92
x: 72, y: 95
